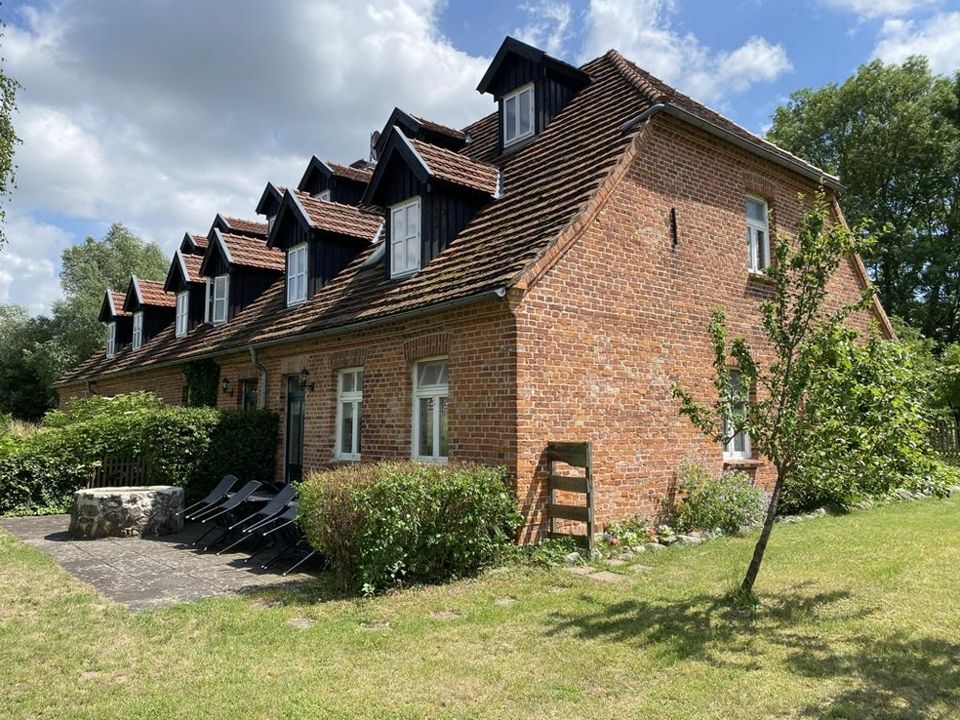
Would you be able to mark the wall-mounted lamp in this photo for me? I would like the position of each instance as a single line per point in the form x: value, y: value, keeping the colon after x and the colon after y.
x: 225, y: 386
x: 304, y: 380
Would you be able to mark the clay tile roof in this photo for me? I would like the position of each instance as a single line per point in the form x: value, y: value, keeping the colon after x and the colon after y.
x: 247, y: 227
x: 152, y: 293
x: 455, y: 168
x: 252, y: 252
x: 118, y: 300
x: 200, y: 241
x: 193, y: 263
x: 438, y: 128
x: 350, y: 173
x: 338, y: 218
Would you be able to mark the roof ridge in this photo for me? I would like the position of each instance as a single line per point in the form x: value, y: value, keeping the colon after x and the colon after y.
x: 641, y: 80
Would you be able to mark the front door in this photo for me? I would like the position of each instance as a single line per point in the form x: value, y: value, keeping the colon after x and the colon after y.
x: 295, y: 397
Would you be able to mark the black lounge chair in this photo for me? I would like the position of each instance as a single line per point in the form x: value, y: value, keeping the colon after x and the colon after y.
x: 225, y: 511
x: 215, y: 496
x: 294, y: 541
x: 262, y: 518
x: 267, y: 530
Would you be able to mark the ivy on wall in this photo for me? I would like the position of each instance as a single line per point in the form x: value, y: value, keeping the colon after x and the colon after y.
x: 203, y: 378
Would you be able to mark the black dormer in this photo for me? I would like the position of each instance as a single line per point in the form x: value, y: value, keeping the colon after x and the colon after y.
x: 531, y: 88
x: 193, y: 244
x: 152, y: 308
x: 430, y: 194
x: 334, y: 182
x: 184, y: 277
x: 112, y: 313
x: 419, y: 129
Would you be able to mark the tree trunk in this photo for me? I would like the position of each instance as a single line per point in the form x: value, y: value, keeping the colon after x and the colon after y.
x: 754, y: 568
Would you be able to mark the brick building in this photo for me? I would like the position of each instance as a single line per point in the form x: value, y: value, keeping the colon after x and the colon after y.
x: 544, y: 274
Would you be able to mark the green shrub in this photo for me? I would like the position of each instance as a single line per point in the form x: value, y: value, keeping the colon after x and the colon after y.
x: 728, y: 501
x: 385, y: 524
x: 189, y: 447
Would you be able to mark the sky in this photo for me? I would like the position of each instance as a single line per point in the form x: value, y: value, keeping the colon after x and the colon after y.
x: 159, y: 114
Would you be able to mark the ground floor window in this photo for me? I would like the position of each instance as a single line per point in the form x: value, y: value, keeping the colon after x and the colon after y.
x: 737, y: 446
x: 248, y: 395
x: 430, y: 410
x: 349, y: 413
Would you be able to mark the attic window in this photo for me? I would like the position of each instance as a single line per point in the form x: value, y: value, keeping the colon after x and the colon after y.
x: 137, y: 330
x: 405, y: 238
x: 297, y: 274
x: 221, y: 288
x: 183, y: 308
x: 111, y: 339
x: 518, y: 115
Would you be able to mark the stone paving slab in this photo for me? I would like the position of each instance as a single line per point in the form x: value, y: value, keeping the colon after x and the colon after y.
x: 151, y: 573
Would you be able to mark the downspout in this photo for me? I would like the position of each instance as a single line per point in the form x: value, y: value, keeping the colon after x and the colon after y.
x: 649, y: 112
x: 261, y: 379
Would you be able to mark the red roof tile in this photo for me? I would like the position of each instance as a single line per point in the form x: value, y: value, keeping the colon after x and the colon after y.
x: 152, y: 293
x: 351, y: 173
x: 338, y: 218
x: 455, y: 168
x: 246, y: 227
x: 252, y: 252
x: 438, y: 128
x: 200, y: 241
x: 193, y: 263
x: 118, y: 299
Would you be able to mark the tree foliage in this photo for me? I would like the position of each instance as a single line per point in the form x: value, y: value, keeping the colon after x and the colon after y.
x: 892, y: 134
x: 8, y: 140
x: 801, y: 331
x: 31, y: 358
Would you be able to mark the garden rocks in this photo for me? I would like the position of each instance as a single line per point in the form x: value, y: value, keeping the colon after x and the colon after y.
x: 573, y: 558
x: 126, y: 511
x: 689, y: 539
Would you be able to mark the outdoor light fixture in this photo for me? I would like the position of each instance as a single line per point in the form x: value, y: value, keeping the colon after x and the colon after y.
x: 225, y: 386
x: 304, y: 377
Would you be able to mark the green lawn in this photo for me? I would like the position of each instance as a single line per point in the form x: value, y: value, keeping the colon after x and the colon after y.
x: 860, y: 619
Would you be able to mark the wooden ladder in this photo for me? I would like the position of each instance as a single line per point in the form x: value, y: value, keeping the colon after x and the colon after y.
x: 574, y: 455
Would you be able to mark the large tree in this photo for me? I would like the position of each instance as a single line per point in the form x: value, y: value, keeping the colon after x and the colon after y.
x: 8, y: 140
x: 892, y: 134
x: 91, y: 267
x: 31, y: 358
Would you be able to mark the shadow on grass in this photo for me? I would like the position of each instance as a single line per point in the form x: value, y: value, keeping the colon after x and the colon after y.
x: 898, y: 676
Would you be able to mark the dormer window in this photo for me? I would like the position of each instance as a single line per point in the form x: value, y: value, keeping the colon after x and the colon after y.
x: 518, y: 114
x: 111, y: 339
x: 405, y: 238
x: 219, y: 305
x: 325, y: 196
x: 137, y: 330
x: 297, y: 274
x: 183, y: 309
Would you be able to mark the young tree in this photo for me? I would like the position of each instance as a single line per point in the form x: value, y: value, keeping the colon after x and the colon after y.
x: 801, y: 330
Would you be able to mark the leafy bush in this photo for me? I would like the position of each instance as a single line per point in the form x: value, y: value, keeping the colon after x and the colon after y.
x: 189, y: 447
x: 632, y: 531
x: 389, y: 523
x: 728, y: 501
x: 872, y: 403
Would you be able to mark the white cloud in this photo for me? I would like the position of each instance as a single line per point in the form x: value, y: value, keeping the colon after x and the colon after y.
x: 937, y: 37
x: 131, y: 112
x: 641, y: 30
x: 28, y: 276
x: 549, y: 25
x: 880, y: 8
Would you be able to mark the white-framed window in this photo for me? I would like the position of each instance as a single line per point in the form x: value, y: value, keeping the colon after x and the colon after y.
x: 297, y: 274
x: 430, y: 409
x: 111, y: 339
x: 183, y: 312
x: 325, y: 196
x: 271, y: 219
x: 405, y: 237
x: 349, y: 413
x: 758, y: 234
x: 137, y: 330
x: 737, y: 447
x: 219, y: 303
x: 518, y: 114
x: 208, y: 301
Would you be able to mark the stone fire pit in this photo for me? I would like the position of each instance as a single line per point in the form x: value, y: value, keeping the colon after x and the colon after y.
x: 126, y: 511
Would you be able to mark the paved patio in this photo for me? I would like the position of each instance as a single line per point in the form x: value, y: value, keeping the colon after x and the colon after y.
x: 144, y: 574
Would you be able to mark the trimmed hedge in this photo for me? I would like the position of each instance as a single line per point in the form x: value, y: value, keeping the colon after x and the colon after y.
x: 189, y: 447
x: 381, y: 525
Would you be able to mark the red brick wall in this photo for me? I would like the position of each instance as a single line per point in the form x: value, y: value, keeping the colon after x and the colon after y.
x: 168, y: 383
x: 622, y: 315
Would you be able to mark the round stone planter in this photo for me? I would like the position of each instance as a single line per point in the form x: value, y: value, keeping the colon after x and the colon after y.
x: 126, y: 511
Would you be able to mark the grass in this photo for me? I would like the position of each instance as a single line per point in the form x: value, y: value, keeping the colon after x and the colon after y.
x: 859, y: 617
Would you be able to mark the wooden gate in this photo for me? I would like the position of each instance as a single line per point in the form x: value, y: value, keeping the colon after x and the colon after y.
x: 573, y: 455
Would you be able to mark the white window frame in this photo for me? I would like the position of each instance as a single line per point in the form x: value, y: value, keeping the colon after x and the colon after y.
x: 137, y: 341
x: 324, y: 195
x: 208, y: 301
x: 183, y: 313
x: 297, y: 282
x: 111, y: 339
x: 407, y: 237
x: 753, y: 243
x: 435, y: 392
x: 516, y: 95
x: 729, y: 448
x: 355, y: 398
x: 224, y: 282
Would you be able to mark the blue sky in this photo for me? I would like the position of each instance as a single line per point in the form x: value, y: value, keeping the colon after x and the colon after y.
x: 159, y: 114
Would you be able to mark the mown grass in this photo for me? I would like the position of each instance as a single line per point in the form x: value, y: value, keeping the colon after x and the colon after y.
x: 860, y: 618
